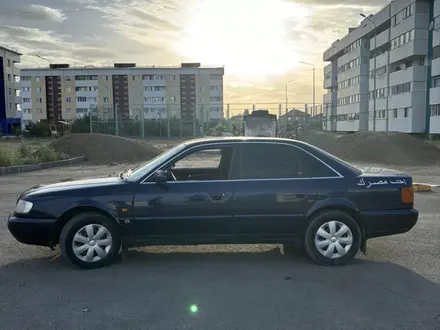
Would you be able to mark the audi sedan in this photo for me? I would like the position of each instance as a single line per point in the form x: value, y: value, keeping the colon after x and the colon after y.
x: 220, y: 191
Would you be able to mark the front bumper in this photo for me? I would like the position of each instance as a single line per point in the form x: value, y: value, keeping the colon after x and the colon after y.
x: 389, y: 222
x: 31, y: 231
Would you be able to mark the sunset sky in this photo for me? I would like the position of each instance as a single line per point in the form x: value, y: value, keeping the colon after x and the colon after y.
x: 260, y: 42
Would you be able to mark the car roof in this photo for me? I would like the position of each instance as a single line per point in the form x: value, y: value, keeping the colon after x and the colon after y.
x: 233, y: 139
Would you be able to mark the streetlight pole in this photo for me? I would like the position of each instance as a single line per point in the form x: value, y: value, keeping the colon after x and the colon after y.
x: 374, y: 73
x: 313, y: 66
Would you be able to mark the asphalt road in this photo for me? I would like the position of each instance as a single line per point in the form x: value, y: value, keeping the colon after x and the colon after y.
x: 233, y: 287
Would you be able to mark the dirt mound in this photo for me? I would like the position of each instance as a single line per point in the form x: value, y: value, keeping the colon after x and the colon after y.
x: 104, y: 149
x: 388, y: 148
x: 323, y: 140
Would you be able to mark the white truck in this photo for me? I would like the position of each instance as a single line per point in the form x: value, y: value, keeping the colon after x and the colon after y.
x: 260, y: 123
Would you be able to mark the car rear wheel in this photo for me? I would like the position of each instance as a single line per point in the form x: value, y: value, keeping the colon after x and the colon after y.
x: 332, y: 238
x: 90, y: 240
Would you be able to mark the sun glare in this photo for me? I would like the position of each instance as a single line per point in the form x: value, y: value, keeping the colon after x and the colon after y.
x: 249, y: 37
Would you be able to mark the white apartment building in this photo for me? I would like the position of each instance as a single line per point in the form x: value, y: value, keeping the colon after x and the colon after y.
x: 9, y: 89
x: 379, y: 76
x: 61, y: 92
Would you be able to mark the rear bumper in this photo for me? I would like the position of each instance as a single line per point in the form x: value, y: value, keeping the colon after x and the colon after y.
x: 389, y: 222
x: 31, y: 231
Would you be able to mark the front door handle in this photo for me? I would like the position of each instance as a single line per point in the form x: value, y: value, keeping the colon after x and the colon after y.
x: 218, y: 197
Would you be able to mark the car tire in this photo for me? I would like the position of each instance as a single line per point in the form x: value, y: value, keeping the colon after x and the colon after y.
x: 90, y: 240
x: 332, y: 238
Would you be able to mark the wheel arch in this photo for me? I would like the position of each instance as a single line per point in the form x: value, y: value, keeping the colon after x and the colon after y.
x: 342, y: 205
x: 69, y: 214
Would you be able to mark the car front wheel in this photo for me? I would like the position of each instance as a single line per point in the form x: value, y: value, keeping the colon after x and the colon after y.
x: 90, y: 240
x: 332, y: 238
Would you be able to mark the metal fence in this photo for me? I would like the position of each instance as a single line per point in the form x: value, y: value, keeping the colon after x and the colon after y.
x: 169, y: 121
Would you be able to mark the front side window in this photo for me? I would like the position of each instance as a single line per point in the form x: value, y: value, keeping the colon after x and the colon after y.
x: 279, y: 161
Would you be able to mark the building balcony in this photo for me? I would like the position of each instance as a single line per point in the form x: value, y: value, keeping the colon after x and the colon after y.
x: 434, y: 95
x: 17, y: 99
x: 381, y: 61
x: 414, y: 73
x: 414, y: 47
x: 436, y: 67
x: 381, y: 39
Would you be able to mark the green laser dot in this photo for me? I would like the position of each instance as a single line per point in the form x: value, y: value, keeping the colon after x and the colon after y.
x: 193, y: 308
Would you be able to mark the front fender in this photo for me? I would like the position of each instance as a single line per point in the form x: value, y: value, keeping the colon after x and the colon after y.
x: 110, y: 209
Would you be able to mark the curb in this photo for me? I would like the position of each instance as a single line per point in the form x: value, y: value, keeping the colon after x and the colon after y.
x: 423, y: 187
x: 35, y: 167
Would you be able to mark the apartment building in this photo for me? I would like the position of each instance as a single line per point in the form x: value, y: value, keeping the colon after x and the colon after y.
x: 9, y: 90
x: 379, y: 78
x: 61, y: 92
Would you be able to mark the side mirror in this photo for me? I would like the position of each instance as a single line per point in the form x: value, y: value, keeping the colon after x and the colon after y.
x: 161, y: 176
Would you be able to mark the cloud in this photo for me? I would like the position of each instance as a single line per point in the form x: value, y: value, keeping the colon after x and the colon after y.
x: 35, y: 13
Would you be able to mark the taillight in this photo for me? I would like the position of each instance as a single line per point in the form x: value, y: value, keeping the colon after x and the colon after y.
x: 408, y: 195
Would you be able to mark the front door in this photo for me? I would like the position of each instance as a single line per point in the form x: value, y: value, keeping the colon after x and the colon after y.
x: 195, y: 201
x: 274, y: 188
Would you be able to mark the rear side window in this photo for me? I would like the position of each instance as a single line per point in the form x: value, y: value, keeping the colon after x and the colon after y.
x: 279, y: 161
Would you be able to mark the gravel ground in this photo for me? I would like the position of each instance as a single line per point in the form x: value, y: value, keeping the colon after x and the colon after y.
x: 395, y: 286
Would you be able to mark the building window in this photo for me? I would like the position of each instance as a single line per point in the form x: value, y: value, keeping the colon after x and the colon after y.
x: 37, y: 78
x: 402, y: 88
x: 215, y: 88
x: 26, y: 100
x: 173, y: 99
x: 406, y: 112
x: 147, y: 77
x: 68, y: 78
x: 68, y: 99
x: 39, y: 100
x: 81, y: 99
x: 105, y: 89
x: 68, y: 89
x: 216, y: 99
x: 25, y: 89
x: 347, y: 66
x: 435, y: 82
x: 158, y: 77
x: 348, y: 100
x: 8, y: 63
x: 25, y: 78
x: 402, y: 39
x: 9, y: 77
x: 38, y: 89
x: 173, y: 77
x: 435, y: 110
x: 69, y: 110
x: 105, y: 99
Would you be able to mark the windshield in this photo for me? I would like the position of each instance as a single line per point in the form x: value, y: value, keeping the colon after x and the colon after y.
x: 138, y: 172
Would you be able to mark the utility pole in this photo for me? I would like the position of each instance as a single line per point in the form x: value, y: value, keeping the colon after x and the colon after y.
x: 313, y: 88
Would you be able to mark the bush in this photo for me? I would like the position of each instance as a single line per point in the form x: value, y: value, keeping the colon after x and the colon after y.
x: 81, y: 125
x: 47, y: 154
x: 40, y: 129
x: 6, y: 159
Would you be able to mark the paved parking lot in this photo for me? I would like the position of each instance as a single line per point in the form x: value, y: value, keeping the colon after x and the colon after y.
x: 234, y: 287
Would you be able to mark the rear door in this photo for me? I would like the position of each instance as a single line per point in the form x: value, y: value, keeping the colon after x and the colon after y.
x: 274, y: 187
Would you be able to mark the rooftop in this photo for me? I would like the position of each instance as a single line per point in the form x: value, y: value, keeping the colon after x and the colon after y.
x: 10, y: 50
x: 115, y: 66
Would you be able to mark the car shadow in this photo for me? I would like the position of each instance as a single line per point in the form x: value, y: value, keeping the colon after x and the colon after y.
x: 239, y: 290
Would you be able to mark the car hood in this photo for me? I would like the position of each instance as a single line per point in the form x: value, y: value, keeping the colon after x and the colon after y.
x: 71, y: 185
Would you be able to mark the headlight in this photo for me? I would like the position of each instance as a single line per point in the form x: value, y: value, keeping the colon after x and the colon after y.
x: 23, y: 207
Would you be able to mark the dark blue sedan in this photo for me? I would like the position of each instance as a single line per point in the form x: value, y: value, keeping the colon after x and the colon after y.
x: 219, y: 191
